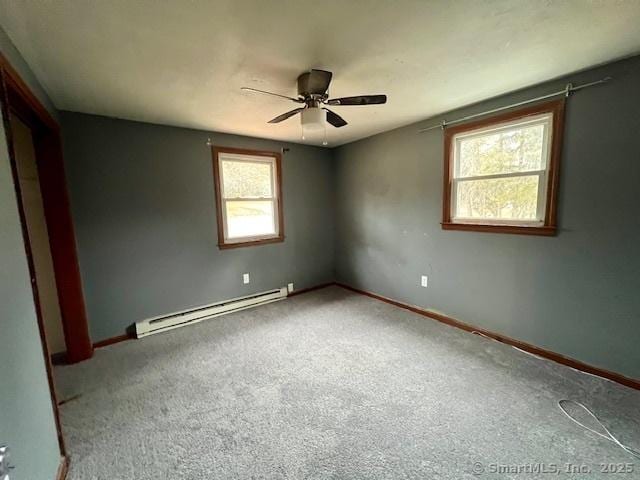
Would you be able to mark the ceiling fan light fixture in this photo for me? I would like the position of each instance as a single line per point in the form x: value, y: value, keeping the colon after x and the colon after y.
x: 313, y: 119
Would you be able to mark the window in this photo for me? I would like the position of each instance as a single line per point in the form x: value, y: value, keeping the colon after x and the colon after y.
x: 501, y: 174
x: 248, y: 197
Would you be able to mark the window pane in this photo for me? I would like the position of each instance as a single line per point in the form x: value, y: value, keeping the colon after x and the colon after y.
x: 250, y: 218
x: 246, y: 179
x: 513, y: 198
x: 518, y: 149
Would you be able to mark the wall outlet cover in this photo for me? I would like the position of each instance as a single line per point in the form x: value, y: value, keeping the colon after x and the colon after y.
x: 245, y: 278
x: 424, y: 281
x: 290, y: 287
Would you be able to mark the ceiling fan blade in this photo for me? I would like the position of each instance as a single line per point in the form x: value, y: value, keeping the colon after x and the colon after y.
x: 248, y: 89
x: 335, y: 119
x: 359, y: 100
x: 284, y: 116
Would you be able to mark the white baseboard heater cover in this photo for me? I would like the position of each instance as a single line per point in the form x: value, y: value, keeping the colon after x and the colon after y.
x: 198, y: 314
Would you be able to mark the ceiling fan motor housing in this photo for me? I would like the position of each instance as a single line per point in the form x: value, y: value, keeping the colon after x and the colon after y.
x: 309, y: 84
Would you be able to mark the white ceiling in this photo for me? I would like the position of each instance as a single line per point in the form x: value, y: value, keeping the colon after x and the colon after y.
x: 182, y: 62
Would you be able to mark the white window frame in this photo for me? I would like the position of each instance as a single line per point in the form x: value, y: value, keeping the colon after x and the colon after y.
x: 545, y: 119
x: 261, y: 158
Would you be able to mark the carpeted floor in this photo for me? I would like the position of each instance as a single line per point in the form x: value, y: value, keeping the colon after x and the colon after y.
x: 332, y: 384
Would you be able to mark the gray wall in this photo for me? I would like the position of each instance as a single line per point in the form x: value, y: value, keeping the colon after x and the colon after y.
x: 26, y: 414
x: 577, y: 294
x: 142, y: 199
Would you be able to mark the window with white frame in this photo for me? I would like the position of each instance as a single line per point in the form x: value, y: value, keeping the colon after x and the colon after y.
x: 248, y: 197
x: 502, y: 173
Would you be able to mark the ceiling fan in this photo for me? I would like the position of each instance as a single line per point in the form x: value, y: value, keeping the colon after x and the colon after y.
x: 312, y: 92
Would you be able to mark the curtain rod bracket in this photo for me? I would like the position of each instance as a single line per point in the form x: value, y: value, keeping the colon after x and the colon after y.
x: 209, y: 143
x: 568, y: 89
x: 284, y: 150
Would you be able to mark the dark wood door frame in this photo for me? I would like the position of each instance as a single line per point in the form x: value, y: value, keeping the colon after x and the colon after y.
x: 16, y: 98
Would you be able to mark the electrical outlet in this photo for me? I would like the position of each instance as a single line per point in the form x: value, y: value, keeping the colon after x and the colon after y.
x: 245, y: 278
x: 290, y: 287
x: 424, y: 281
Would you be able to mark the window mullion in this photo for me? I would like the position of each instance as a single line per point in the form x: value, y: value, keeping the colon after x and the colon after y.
x: 528, y: 173
x: 248, y: 199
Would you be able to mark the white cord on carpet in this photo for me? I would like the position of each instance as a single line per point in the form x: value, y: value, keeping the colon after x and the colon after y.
x: 591, y: 374
x: 609, y: 436
x: 529, y: 353
x: 475, y: 332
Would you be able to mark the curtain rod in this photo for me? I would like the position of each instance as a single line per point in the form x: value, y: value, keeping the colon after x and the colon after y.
x: 568, y: 90
x: 209, y: 143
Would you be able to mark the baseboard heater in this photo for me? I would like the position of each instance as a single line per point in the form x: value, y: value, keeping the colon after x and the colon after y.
x: 195, y: 315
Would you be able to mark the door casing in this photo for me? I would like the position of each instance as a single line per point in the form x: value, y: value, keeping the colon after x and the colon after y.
x: 17, y: 98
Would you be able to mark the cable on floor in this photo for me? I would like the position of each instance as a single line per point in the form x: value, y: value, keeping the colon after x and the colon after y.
x: 476, y: 332
x: 609, y: 436
x: 70, y: 399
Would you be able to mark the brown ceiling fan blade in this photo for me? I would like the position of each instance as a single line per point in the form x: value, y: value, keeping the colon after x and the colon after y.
x: 359, y: 100
x: 284, y: 116
x: 335, y: 119
x: 255, y: 90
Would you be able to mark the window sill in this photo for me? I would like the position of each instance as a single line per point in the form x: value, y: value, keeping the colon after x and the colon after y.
x: 251, y: 243
x: 545, y: 230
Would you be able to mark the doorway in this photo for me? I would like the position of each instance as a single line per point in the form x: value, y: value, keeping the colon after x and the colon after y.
x: 38, y: 235
x: 34, y: 145
x: 35, y: 152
